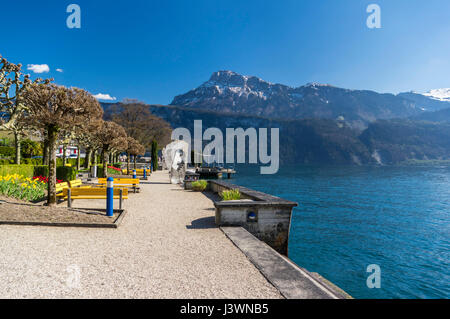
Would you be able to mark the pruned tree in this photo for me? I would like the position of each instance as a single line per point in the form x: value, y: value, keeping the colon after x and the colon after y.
x: 85, y: 137
x: 13, y: 84
x: 110, y: 135
x: 55, y: 108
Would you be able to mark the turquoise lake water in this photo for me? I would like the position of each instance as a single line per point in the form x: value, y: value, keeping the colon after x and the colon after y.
x: 351, y: 217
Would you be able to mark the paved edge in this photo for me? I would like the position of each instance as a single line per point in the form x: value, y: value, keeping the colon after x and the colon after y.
x: 115, y: 224
x: 292, y: 281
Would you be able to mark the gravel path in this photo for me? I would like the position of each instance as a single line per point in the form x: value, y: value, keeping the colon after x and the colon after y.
x: 166, y: 247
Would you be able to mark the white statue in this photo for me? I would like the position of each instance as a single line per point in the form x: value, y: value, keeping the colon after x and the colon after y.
x: 175, y: 156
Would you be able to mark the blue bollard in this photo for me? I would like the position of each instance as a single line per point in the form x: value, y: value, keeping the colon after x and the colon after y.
x: 134, y: 173
x: 109, y: 196
x: 151, y: 167
x: 145, y: 173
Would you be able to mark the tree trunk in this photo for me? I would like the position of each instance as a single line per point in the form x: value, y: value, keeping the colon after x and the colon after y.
x: 134, y: 161
x: 17, y: 145
x: 105, y: 161
x: 87, y: 159
x: 45, y: 154
x: 128, y: 163
x: 52, y: 140
x: 95, y: 157
x: 78, y: 158
x: 154, y: 155
x: 64, y: 155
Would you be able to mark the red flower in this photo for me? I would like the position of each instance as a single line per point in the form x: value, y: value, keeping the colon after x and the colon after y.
x: 45, y: 179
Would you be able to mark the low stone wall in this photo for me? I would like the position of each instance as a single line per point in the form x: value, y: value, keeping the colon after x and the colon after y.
x: 265, y: 216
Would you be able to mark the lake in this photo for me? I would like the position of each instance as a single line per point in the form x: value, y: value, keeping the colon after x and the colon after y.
x: 397, y: 217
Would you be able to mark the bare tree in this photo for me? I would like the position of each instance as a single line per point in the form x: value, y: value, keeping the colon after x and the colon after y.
x: 55, y: 108
x: 141, y: 124
x: 135, y: 149
x: 111, y: 135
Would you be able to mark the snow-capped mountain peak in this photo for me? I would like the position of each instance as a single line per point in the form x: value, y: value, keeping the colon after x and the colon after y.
x: 439, y: 94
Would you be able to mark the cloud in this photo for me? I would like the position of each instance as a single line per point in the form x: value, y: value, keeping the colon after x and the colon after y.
x: 38, y: 68
x: 60, y: 70
x: 101, y: 96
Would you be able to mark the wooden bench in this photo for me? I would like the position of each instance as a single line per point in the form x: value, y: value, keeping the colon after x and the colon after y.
x: 122, y: 182
x: 139, y: 172
x: 75, y: 183
x: 70, y: 194
x: 60, y: 188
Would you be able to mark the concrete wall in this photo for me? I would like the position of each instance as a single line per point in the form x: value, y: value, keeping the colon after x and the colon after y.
x: 271, y: 215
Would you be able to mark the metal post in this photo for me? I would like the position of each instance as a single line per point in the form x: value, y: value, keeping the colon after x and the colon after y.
x: 145, y: 173
x: 109, y: 196
x: 69, y: 197
x: 134, y: 173
x: 121, y: 198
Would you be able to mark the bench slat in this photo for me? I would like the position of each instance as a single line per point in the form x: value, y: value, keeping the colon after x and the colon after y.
x: 93, y: 197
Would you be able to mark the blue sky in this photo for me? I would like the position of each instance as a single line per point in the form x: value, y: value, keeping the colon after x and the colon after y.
x: 154, y: 50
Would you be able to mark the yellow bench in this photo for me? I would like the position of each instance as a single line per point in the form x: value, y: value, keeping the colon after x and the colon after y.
x: 78, y: 183
x: 122, y: 182
x: 70, y: 194
x: 60, y: 187
x: 139, y: 172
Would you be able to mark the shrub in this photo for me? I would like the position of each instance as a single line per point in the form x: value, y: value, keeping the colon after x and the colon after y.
x: 7, y: 151
x: 32, y: 161
x: 6, y: 161
x: 232, y: 194
x: 199, y: 186
x: 30, y: 148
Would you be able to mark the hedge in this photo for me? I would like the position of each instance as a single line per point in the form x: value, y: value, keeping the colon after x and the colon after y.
x: 110, y: 171
x: 25, y: 170
x: 62, y: 172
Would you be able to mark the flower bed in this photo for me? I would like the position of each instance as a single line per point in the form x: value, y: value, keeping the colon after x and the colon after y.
x: 116, y: 169
x: 21, y: 187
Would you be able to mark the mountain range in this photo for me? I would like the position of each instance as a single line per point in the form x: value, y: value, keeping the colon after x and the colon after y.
x: 230, y: 92
x: 319, y: 124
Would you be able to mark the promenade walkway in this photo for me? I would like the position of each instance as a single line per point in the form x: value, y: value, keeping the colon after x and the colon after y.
x: 166, y: 247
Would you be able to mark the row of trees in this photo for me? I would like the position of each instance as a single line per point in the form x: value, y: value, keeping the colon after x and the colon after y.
x: 58, y: 114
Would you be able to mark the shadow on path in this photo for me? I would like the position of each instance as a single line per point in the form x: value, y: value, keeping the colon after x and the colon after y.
x: 203, y: 223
